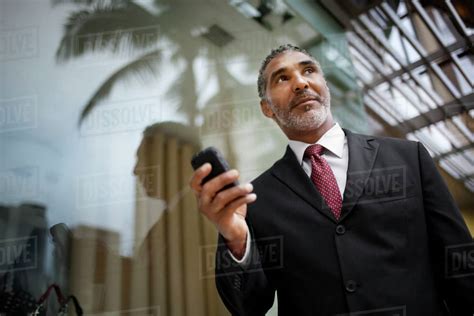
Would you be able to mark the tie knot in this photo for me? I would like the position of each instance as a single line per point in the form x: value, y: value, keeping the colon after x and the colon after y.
x: 314, y: 150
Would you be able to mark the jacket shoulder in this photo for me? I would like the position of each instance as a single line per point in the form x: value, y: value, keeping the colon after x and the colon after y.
x: 264, y: 178
x: 389, y: 141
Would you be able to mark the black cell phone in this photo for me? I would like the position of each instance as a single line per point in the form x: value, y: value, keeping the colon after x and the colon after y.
x: 219, y: 165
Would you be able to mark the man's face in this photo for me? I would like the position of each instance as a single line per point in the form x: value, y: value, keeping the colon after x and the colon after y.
x: 297, y: 96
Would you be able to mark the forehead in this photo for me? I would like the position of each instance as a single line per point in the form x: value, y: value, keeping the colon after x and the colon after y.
x: 286, y: 59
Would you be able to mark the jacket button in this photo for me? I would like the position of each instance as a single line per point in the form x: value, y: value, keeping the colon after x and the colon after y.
x: 351, y: 286
x: 340, y: 229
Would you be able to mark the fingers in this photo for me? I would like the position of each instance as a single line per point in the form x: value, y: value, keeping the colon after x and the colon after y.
x: 213, y: 186
x: 223, y: 198
x: 234, y: 205
x: 198, y: 176
x: 211, y: 199
x: 217, y: 183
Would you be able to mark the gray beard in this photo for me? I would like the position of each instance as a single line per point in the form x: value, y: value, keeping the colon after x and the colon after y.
x: 311, y: 119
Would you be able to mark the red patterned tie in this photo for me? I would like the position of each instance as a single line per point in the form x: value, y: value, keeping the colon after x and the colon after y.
x: 324, y: 179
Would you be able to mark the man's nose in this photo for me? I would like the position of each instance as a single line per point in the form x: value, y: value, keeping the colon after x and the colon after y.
x: 299, y: 83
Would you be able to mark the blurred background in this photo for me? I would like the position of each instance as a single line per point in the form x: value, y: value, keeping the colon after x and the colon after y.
x: 103, y: 103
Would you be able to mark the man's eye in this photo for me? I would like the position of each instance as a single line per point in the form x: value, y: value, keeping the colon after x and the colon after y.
x: 309, y: 70
x: 282, y: 78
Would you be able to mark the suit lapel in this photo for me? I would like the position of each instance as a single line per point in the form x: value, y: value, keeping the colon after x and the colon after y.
x: 288, y: 171
x: 362, y: 153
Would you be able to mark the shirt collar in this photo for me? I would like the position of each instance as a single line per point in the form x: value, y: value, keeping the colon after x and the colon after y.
x: 333, y: 140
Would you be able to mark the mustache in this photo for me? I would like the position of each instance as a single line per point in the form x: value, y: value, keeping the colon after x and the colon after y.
x: 305, y: 96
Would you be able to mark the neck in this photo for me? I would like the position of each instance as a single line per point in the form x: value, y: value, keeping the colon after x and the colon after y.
x: 311, y: 136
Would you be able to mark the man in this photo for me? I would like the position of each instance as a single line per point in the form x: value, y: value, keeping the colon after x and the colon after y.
x: 361, y: 224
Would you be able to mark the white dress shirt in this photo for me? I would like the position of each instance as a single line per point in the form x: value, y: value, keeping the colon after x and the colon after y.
x: 336, y: 155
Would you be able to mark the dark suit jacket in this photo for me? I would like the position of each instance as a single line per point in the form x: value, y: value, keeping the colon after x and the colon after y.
x: 389, y: 254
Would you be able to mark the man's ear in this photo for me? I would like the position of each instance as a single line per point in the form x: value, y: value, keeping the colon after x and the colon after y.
x: 266, y: 109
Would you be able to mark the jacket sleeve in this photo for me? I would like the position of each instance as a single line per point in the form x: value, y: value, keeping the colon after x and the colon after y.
x: 244, y: 289
x: 451, y: 243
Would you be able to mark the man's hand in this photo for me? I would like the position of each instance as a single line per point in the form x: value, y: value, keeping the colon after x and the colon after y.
x: 226, y: 209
